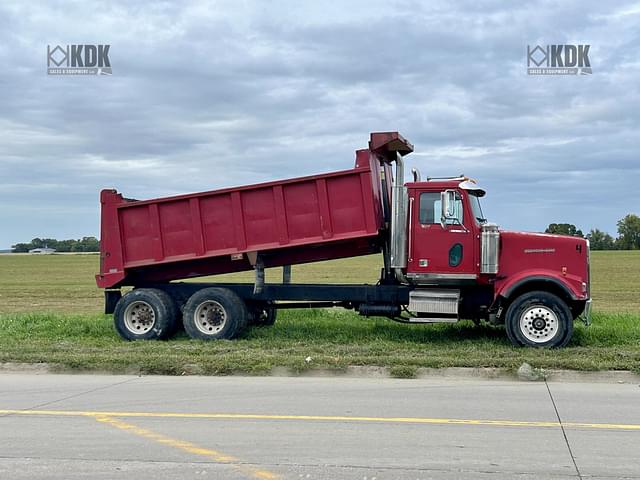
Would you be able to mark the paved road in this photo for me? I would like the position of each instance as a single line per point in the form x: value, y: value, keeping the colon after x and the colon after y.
x: 81, y: 426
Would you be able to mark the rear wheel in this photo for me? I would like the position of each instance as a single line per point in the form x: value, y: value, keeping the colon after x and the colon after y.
x: 213, y: 314
x: 263, y: 315
x: 539, y: 319
x: 145, y: 314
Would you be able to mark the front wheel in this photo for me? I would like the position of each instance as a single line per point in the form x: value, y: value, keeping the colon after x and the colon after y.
x: 539, y: 319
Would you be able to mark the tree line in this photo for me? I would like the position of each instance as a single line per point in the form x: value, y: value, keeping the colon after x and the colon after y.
x: 85, y: 244
x: 628, y: 234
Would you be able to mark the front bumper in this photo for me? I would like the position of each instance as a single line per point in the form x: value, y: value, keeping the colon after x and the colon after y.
x: 585, y: 316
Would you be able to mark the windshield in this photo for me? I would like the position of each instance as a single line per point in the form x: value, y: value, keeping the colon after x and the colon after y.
x: 476, y: 208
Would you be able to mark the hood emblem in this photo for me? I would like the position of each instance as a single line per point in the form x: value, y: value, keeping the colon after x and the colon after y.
x: 539, y: 250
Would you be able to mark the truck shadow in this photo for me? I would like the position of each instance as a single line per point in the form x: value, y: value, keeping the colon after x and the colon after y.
x: 373, y: 330
x: 441, y: 333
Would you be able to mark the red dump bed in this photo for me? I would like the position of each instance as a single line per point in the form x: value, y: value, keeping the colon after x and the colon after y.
x: 291, y: 221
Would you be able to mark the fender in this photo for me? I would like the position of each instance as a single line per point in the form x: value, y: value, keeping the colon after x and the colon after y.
x: 506, y: 286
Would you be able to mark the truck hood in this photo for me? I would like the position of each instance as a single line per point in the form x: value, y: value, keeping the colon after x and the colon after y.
x: 560, y: 256
x: 542, y: 241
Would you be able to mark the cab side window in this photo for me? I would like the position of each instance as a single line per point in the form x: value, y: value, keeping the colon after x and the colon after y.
x: 430, y: 209
x: 429, y: 201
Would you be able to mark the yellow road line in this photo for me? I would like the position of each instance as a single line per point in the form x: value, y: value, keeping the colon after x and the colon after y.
x: 188, y: 447
x: 330, y: 418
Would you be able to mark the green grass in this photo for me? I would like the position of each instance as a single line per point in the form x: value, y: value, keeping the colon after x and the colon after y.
x: 50, y: 312
x: 616, y: 281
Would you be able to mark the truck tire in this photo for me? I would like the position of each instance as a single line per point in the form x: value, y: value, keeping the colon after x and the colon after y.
x: 214, y: 314
x: 539, y: 319
x: 263, y: 315
x: 145, y: 314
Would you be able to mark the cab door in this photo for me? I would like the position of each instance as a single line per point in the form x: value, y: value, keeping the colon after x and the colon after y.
x: 436, y: 252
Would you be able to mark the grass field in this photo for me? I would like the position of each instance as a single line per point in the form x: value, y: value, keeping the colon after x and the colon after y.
x: 50, y: 311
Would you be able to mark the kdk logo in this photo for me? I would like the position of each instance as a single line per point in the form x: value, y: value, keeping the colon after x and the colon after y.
x: 558, y: 60
x: 78, y: 60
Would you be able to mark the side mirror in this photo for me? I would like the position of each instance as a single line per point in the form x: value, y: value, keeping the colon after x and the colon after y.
x: 447, y: 203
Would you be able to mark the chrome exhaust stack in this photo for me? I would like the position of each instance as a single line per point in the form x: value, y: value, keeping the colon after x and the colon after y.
x: 399, y: 222
x: 390, y: 147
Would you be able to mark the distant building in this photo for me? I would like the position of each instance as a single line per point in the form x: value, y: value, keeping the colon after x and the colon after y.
x: 42, y: 251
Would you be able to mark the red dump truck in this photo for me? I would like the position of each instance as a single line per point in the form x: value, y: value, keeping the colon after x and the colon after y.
x: 441, y: 260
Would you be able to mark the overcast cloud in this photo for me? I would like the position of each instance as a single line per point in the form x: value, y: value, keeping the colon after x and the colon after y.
x: 211, y: 94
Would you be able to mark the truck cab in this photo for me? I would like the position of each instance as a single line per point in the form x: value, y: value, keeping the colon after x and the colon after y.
x: 444, y: 247
x: 536, y: 284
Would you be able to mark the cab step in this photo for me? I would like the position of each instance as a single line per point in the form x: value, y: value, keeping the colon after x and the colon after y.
x: 433, y: 319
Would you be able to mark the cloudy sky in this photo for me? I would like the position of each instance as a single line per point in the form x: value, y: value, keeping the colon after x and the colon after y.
x: 211, y: 94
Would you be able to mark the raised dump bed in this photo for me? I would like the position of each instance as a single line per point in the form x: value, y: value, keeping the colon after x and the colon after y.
x: 332, y: 215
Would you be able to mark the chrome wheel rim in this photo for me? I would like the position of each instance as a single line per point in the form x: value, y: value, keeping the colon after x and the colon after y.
x: 210, y: 317
x: 539, y: 324
x: 139, y: 317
